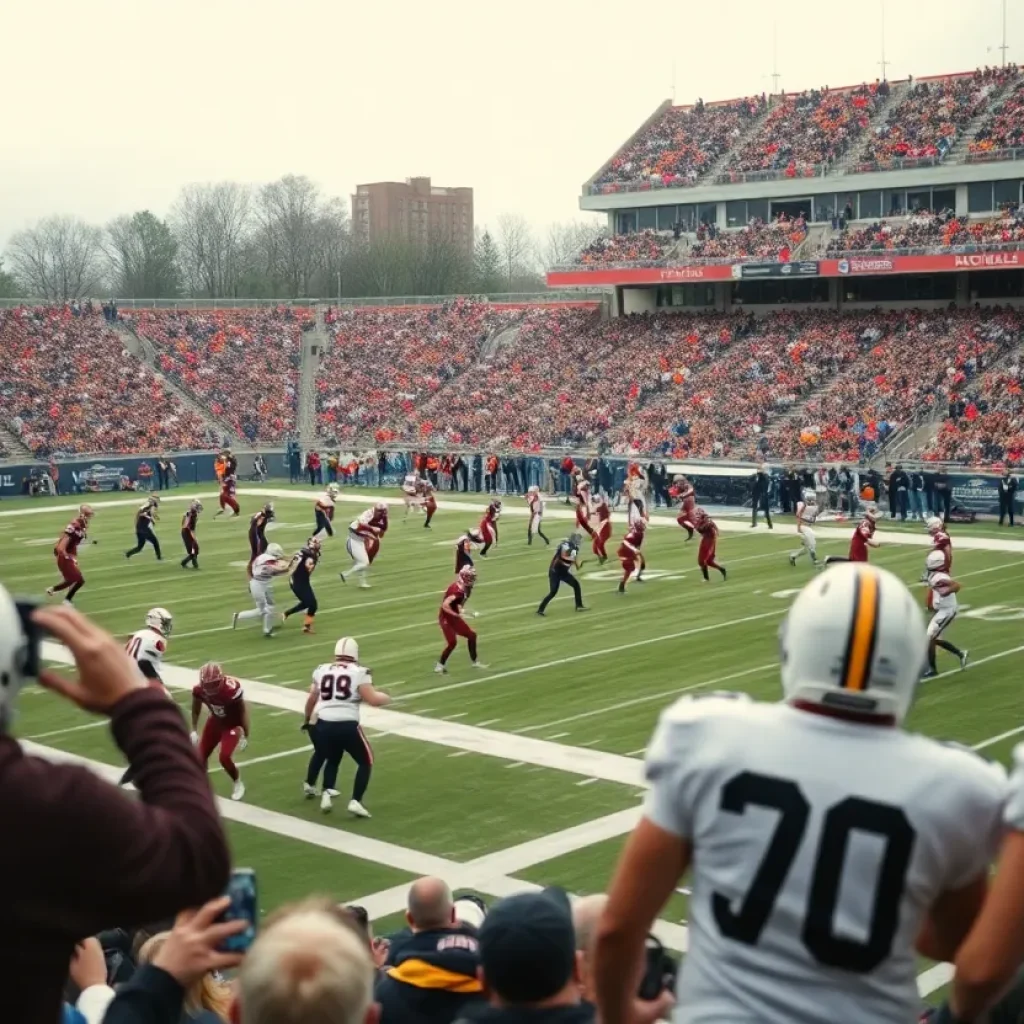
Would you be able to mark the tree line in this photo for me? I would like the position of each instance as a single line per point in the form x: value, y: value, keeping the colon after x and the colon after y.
x: 285, y: 239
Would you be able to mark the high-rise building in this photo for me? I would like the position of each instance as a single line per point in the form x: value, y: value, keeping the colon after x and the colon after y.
x: 414, y: 210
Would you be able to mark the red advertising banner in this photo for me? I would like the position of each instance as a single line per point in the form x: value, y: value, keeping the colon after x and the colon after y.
x: 639, y: 275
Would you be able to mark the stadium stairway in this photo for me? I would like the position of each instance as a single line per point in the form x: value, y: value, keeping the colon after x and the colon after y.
x: 499, y: 338
x: 958, y: 152
x: 145, y: 352
x: 720, y: 165
x: 11, y: 440
x: 854, y: 155
x: 315, y: 344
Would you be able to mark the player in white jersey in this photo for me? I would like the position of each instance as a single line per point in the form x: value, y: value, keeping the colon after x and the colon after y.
x: 332, y: 720
x: 536, y: 504
x: 806, y: 514
x: 411, y: 492
x: 990, y: 957
x: 323, y: 512
x: 148, y: 645
x: 635, y: 490
x: 942, y: 591
x: 828, y: 847
x: 360, y: 531
x: 261, y: 587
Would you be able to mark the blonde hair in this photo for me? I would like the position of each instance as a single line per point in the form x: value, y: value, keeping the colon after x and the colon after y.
x: 308, y: 967
x: 205, y: 994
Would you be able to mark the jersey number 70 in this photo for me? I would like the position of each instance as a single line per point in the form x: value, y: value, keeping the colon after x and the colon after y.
x: 885, y: 821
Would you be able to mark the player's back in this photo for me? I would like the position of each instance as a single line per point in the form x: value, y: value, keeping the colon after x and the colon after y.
x: 147, y: 645
x: 263, y: 568
x: 819, y: 846
x: 337, y: 685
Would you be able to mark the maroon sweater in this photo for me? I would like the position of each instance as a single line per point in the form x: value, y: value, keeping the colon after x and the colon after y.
x: 78, y: 855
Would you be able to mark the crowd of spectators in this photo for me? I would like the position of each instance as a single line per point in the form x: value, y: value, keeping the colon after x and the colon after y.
x: 1004, y: 127
x: 985, y: 418
x: 932, y: 231
x: 906, y: 363
x: 640, y: 247
x: 679, y: 146
x: 807, y: 130
x: 67, y: 386
x: 926, y: 122
x: 774, y: 241
x: 242, y: 364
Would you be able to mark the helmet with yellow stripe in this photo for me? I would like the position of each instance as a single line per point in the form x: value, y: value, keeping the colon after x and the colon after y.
x: 853, y: 643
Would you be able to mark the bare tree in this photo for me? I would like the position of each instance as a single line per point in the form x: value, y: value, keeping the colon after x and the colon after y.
x: 515, y: 244
x: 211, y: 225
x: 142, y: 255
x: 566, y: 238
x: 57, y: 259
x: 290, y: 215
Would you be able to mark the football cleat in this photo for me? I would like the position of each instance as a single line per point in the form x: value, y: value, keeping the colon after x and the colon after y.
x: 480, y: 664
x: 308, y: 791
x: 356, y: 808
x: 964, y: 654
x: 326, y: 799
x: 440, y: 670
x: 238, y: 791
x: 854, y: 640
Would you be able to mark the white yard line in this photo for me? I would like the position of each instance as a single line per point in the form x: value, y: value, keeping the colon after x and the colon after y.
x: 73, y: 728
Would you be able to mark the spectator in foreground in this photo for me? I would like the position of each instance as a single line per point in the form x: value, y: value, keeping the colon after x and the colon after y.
x: 207, y: 1000
x: 134, y: 860
x: 434, y: 974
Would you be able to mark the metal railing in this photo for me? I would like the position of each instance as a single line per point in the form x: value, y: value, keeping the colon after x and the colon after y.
x: 728, y: 177
x: 652, y: 184
x: 898, y: 163
x: 928, y: 250
x: 991, y: 156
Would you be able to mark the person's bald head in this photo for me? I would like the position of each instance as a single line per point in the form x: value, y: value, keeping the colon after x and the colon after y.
x: 430, y: 905
x: 586, y: 912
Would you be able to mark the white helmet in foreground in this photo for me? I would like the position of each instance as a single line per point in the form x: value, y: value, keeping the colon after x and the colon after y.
x: 854, y: 641
x: 346, y: 647
x: 333, y: 490
x: 160, y: 620
x: 14, y: 656
x: 933, y: 524
x: 275, y: 551
x: 935, y: 560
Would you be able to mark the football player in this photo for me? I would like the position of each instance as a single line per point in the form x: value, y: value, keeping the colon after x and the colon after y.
x: 66, y: 553
x: 324, y: 511
x: 942, y: 591
x: 584, y: 509
x: 863, y: 538
x: 603, y: 533
x: 683, y: 491
x: 411, y: 492
x: 452, y: 621
x: 362, y: 534
x: 227, y: 724
x: 635, y: 492
x: 536, y: 505
x: 267, y: 566
x: 629, y: 553
x: 188, y: 534
x: 814, y: 887
x: 258, y: 533
x: 427, y: 501
x: 229, y: 486
x: 566, y: 558
x: 489, y: 526
x: 708, y: 530
x: 301, y: 568
x: 339, y: 688
x: 806, y: 514
x: 146, y: 515
x: 464, y: 548
x: 940, y: 541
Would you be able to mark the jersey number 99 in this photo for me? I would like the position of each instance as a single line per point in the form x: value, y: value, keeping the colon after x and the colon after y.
x: 335, y: 688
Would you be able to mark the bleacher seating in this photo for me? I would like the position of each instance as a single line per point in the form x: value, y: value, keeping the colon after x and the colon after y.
x: 759, y: 241
x: 678, y: 147
x: 638, y: 248
x: 924, y: 125
x: 68, y: 386
x: 804, y: 132
x: 242, y: 364
x: 929, y: 231
x: 1004, y: 127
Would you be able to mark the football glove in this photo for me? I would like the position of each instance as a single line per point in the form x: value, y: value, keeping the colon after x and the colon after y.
x: 243, y: 742
x: 305, y: 727
x: 194, y: 737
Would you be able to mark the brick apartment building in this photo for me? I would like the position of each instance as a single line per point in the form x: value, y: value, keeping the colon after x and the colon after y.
x: 414, y: 210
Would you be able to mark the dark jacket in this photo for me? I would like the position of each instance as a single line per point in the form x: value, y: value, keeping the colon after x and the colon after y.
x: 433, y: 978
x: 581, y: 1013
x: 85, y: 855
x: 1008, y: 485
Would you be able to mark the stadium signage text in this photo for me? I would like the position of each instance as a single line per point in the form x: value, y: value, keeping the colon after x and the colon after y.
x: 988, y: 259
x: 803, y: 268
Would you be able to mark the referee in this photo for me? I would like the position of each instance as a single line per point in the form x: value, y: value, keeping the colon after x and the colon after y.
x: 566, y: 556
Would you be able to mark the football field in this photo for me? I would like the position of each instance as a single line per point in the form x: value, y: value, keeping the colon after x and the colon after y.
x: 528, y: 771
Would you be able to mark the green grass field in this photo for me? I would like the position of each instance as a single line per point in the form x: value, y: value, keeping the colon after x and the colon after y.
x: 528, y: 771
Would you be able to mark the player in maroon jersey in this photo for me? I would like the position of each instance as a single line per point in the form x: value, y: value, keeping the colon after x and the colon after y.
x: 489, y: 526
x: 378, y: 526
x: 941, y: 542
x: 630, y: 555
x: 705, y: 526
x: 66, y: 553
x: 583, y: 503
x: 452, y: 621
x: 228, y: 488
x: 188, y: 535
x: 425, y: 489
x: 863, y: 538
x: 603, y: 533
x: 682, y: 490
x: 228, y: 724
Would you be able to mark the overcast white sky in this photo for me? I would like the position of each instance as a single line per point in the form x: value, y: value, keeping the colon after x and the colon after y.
x: 111, y: 105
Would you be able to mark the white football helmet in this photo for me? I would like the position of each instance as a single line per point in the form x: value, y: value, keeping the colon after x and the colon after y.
x: 810, y: 498
x: 534, y: 490
x: 159, y: 619
x: 854, y: 640
x: 871, y: 511
x: 14, y: 653
x: 275, y: 551
x: 346, y: 647
x: 333, y: 490
x: 935, y: 560
x: 933, y: 524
